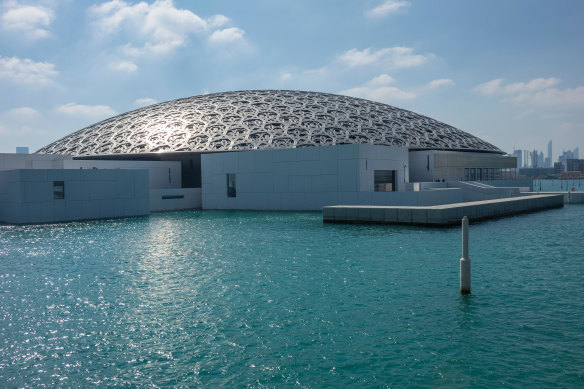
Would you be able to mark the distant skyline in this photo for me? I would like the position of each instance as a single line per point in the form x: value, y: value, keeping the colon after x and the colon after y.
x: 507, y: 71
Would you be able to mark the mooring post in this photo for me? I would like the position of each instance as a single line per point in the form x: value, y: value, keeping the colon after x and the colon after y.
x: 465, y: 261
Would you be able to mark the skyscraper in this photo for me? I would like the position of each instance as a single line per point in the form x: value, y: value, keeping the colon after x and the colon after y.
x: 550, y: 160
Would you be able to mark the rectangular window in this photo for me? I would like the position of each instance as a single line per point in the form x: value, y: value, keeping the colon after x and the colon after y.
x: 231, y: 192
x: 473, y: 174
x: 58, y: 190
x: 170, y: 197
x: 466, y: 176
x: 384, y: 181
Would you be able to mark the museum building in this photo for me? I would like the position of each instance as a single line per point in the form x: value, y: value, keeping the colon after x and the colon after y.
x: 266, y: 150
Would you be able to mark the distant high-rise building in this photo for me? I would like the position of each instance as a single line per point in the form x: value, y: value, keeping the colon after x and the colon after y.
x: 519, y: 155
x: 534, y: 158
x: 549, y: 160
x: 570, y: 154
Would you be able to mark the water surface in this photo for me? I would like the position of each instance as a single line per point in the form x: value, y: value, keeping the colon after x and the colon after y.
x: 264, y: 299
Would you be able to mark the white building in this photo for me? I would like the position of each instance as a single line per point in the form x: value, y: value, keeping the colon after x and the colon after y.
x: 279, y: 150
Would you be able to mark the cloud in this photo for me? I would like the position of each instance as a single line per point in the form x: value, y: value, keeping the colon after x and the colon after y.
x: 24, y: 112
x: 26, y: 71
x: 391, y: 57
x: 387, y: 7
x: 33, y: 21
x: 571, y: 97
x: 87, y: 111
x: 227, y: 35
x: 496, y: 86
x: 540, y: 92
x: 379, y: 89
x: 217, y: 21
x: 435, y: 84
x: 143, y: 102
x: 284, y: 76
x: 124, y: 66
x: 158, y: 28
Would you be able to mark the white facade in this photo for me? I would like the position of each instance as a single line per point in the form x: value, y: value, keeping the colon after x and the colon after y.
x: 438, y: 165
x: 162, y: 174
x: 54, y: 195
x: 310, y: 178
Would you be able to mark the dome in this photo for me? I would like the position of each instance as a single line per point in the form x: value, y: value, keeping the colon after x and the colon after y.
x: 263, y: 119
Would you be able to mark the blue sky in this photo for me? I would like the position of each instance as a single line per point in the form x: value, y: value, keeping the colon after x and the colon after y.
x: 508, y: 71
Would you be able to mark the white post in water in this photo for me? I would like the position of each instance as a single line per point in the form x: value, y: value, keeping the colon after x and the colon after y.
x: 465, y: 261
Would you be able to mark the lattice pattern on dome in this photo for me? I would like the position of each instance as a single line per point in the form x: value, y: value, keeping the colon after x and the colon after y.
x: 263, y: 119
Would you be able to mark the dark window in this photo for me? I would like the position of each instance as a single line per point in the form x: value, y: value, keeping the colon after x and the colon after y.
x: 170, y: 197
x: 231, y: 185
x: 58, y: 190
x: 384, y: 181
x: 466, y: 175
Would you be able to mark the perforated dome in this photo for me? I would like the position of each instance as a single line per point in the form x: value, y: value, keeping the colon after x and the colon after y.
x: 263, y: 119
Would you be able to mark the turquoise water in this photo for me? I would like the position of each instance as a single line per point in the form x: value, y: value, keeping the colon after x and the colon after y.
x: 236, y: 299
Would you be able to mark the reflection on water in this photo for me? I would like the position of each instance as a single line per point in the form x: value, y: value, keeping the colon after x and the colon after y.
x: 281, y: 299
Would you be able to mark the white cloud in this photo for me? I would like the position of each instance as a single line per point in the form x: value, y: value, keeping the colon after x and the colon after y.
x: 387, y: 7
x: 390, y: 57
x: 379, y: 89
x: 490, y: 88
x: 571, y: 97
x: 496, y: 86
x: 435, y: 84
x: 217, y: 21
x: 87, y: 111
x: 537, y: 92
x: 158, y: 28
x: 227, y: 35
x: 27, y: 71
x: 319, y: 72
x: 143, y: 102
x: 284, y: 76
x: 24, y: 113
x: 124, y: 66
x: 33, y: 21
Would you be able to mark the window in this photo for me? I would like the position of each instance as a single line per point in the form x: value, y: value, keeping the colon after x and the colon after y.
x: 384, y: 181
x: 231, y: 192
x: 466, y: 174
x: 58, y: 190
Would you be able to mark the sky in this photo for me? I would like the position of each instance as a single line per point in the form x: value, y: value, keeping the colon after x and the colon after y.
x: 507, y: 71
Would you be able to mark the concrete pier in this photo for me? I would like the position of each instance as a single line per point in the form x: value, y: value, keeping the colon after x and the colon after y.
x: 440, y: 215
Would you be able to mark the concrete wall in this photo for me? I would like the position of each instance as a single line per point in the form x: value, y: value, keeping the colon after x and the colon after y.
x: 162, y: 174
x: 479, y: 191
x: 26, y: 196
x: 309, y: 178
x: 9, y: 161
x: 175, y: 199
x: 569, y: 197
x: 435, y: 165
x: 441, y: 215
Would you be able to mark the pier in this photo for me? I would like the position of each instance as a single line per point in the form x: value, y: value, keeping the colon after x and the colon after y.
x: 440, y: 215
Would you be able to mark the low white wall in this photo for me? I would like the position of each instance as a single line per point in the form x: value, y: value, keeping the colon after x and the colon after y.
x: 569, y: 197
x: 481, y: 191
x: 310, y: 178
x: 9, y: 161
x: 175, y: 199
x: 27, y: 196
x: 162, y: 174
